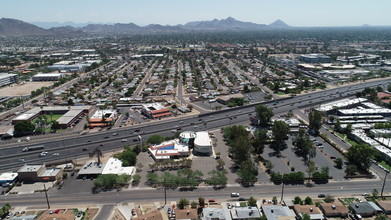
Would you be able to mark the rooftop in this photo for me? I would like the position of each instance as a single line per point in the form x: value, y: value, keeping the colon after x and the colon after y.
x: 91, y: 168
x: 114, y: 166
x: 31, y: 167
x: 202, y: 139
x: 8, y: 176
x: 364, y: 207
x: 274, y: 212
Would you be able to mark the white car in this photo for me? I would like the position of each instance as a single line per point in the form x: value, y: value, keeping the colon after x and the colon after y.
x: 124, y: 140
x: 56, y: 154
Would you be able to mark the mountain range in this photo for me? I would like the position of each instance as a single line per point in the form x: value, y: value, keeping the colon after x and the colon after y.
x: 12, y: 27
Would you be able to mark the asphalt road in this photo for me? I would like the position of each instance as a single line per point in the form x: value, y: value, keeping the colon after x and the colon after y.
x: 71, y: 146
x: 150, y: 195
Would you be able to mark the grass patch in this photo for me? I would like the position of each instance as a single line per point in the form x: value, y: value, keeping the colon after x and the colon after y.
x: 243, y: 204
x: 53, y: 117
x: 280, y: 93
x: 347, y: 201
x: 385, y: 165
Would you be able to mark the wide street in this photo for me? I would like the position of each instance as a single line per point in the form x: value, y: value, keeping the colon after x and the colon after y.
x: 70, y: 147
x: 149, y: 194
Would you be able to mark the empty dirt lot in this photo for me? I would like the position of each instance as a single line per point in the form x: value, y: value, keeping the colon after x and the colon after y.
x: 22, y: 89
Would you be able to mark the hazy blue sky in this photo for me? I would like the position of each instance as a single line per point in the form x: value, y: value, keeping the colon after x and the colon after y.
x: 143, y: 12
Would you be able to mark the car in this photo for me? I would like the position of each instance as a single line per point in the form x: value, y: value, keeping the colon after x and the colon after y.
x: 229, y: 206
x: 173, y: 131
x: 133, y: 212
x: 181, y: 122
x: 115, y: 134
x: 179, y: 129
x: 21, y: 160
x: 84, y: 149
x: 365, y: 194
x: 124, y: 140
x: 56, y: 154
x: 138, y: 130
x: 200, y: 119
x: 318, y: 143
x: 106, y: 137
x: 234, y: 194
x: 169, y: 211
x: 16, y: 213
x: 242, y: 199
x: 321, y: 196
x: 211, y: 200
x: 195, y: 126
x: 88, y: 141
x: 57, y: 211
x: 135, y: 140
x: 192, y: 123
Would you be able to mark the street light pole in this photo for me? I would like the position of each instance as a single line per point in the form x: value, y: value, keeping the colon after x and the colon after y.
x: 384, y: 183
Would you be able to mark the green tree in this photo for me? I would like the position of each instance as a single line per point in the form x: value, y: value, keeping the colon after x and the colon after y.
x: 260, y: 138
x: 381, y: 217
x: 5, y: 209
x: 315, y: 120
x: 297, y: 200
x: 360, y: 155
x: 264, y: 115
x: 338, y: 163
x: 155, y: 139
x: 136, y: 178
x: 303, y: 144
x: 193, y: 204
x: 252, y: 201
x: 305, y: 216
x: 310, y: 170
x: 280, y: 133
x: 308, y: 201
x: 329, y: 199
x: 241, y: 149
x: 201, y: 202
x: 274, y: 200
x: 70, y: 102
x: 111, y: 180
x: 128, y: 157
x: 248, y: 172
x: 182, y: 203
x: 351, y: 170
x: 55, y: 125
x: 217, y: 178
x: 24, y: 127
x: 375, y: 194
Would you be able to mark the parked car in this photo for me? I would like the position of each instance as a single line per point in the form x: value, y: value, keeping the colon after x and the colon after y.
x: 133, y: 212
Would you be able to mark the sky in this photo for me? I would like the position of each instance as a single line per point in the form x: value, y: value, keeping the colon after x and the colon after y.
x: 307, y: 13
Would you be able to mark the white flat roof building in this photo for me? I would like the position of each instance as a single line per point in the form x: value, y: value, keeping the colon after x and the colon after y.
x: 8, y: 177
x: 343, y: 103
x: 7, y: 79
x: 203, y: 143
x: 47, y: 76
x: 169, y: 149
x: 114, y: 166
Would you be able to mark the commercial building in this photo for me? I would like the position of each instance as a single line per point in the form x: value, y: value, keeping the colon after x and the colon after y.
x: 155, y: 110
x: 332, y: 107
x: 227, y: 98
x: 315, y: 58
x: 103, y: 118
x: 8, y: 178
x: 92, y: 169
x: 47, y: 77
x: 7, y: 79
x: 38, y: 173
x: 274, y: 212
x: 169, y: 150
x: 114, y: 166
x: 70, y: 114
x: 202, y: 143
x: 6, y: 131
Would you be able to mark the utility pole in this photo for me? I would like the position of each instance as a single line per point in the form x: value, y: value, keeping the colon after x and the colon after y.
x: 282, y: 192
x: 165, y: 192
x: 46, y: 195
x: 384, y: 183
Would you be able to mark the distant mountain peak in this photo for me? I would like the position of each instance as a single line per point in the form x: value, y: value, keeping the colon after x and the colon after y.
x: 278, y: 23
